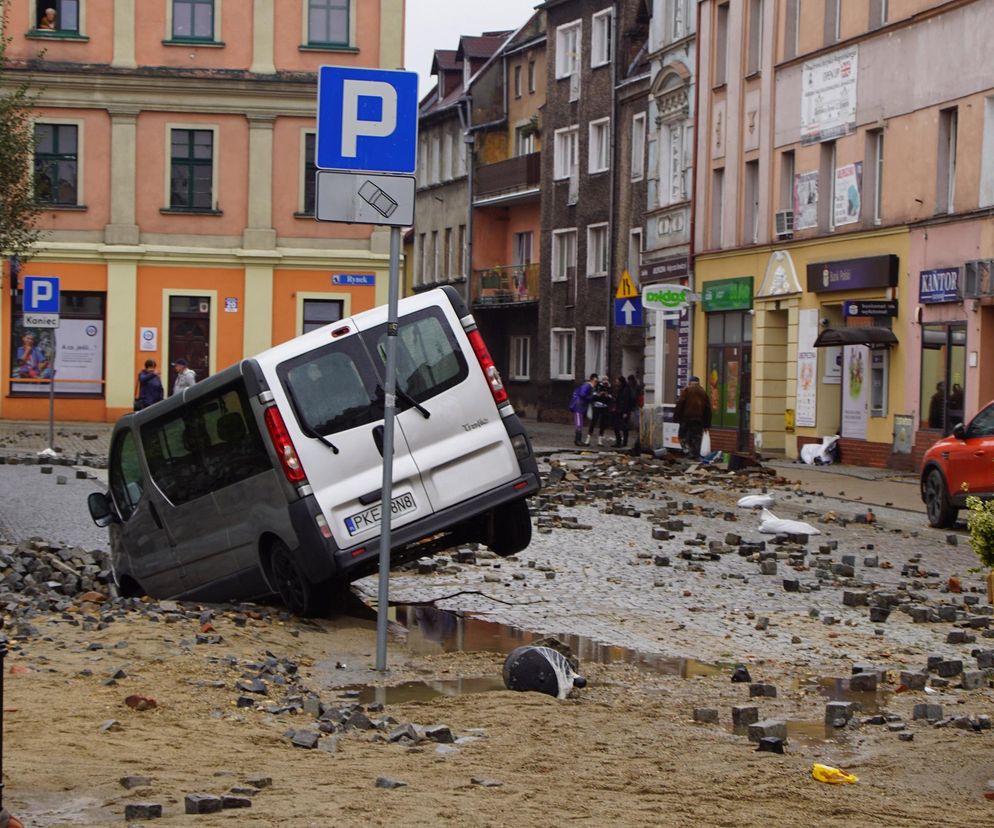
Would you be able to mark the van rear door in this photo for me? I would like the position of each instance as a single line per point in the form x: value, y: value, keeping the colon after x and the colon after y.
x: 461, y: 447
x: 337, y: 399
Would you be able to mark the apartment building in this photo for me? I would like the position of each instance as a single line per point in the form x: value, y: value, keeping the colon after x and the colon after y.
x: 175, y: 168
x: 842, y: 242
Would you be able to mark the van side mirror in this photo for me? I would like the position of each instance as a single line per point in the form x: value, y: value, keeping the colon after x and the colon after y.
x: 101, y: 509
x: 959, y: 431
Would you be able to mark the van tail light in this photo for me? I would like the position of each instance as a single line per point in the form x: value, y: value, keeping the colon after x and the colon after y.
x: 289, y: 460
x: 487, y: 365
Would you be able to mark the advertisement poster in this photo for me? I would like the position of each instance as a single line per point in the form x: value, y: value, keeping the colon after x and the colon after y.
x: 78, y: 348
x: 848, y: 181
x: 855, y: 391
x: 833, y: 366
x: 828, y: 96
x: 32, y: 358
x: 807, y: 369
x: 732, y: 387
x: 805, y: 200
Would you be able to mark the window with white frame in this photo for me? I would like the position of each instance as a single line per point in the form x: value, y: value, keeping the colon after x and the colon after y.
x: 875, y: 178
x: 878, y: 13
x: 562, y: 353
x: 521, y: 357
x: 638, y: 146
x: 601, y: 34
x: 447, y: 157
x: 600, y: 146
x: 678, y: 19
x: 986, y: 155
x: 56, y: 17
x: 750, y: 197
x: 566, y: 148
x: 595, y: 353
x: 678, y: 138
x: 833, y: 21
x: 792, y: 28
x: 461, y: 247
x: 717, y: 205
x: 328, y: 22
x: 946, y: 187
x: 721, y: 44
x: 634, y: 251
x: 447, y: 254
x: 422, y: 162
x: 568, y: 49
x: 434, y: 255
x: 563, y: 254
x: 755, y: 54
x: 597, y: 250
x: 459, y: 150
x: 434, y: 160
x: 524, y: 140
x: 421, y: 260
x: 531, y: 77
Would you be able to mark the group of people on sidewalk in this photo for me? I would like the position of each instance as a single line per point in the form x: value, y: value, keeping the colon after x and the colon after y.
x: 149, y: 389
x: 597, y: 404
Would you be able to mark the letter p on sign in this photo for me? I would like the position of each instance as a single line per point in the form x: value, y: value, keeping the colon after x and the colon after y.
x: 41, y: 294
x: 367, y: 120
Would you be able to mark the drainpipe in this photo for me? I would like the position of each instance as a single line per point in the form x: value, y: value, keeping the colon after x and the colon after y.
x: 612, y: 201
x: 466, y: 122
x: 692, y: 247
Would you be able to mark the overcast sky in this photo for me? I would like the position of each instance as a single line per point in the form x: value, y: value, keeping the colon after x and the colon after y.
x: 437, y: 24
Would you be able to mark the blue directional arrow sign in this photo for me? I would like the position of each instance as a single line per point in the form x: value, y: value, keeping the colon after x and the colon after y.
x: 628, y: 312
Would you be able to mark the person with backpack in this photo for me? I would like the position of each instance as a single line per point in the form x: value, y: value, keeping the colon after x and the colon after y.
x: 578, y: 403
x: 602, y: 403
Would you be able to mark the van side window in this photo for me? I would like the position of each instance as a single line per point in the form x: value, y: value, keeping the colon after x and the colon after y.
x: 208, y: 444
x: 334, y: 388
x: 429, y: 360
x: 126, y: 481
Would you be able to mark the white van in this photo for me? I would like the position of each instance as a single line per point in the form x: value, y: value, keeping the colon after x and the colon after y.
x: 266, y: 477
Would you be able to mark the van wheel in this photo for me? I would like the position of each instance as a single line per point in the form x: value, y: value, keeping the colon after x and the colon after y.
x: 511, y: 528
x: 299, y: 595
x: 941, y: 514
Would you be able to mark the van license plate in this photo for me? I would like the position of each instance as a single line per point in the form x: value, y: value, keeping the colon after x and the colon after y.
x: 370, y: 518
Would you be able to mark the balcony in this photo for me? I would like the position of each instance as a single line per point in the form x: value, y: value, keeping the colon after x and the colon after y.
x: 511, y: 285
x: 507, y: 179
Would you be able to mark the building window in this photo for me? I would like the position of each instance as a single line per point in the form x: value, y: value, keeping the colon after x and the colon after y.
x: 595, y: 352
x: 833, y: 21
x: 943, y: 378
x: 310, y: 175
x: 602, y: 26
x: 434, y: 255
x: 568, y: 49
x: 524, y: 140
x: 750, y: 223
x: 561, y: 353
x: 597, y: 248
x: 447, y: 170
x: 435, y: 160
x: 320, y: 312
x: 678, y: 20
x: 677, y: 141
x: 421, y: 267
x: 523, y: 248
x: 946, y: 185
x: 878, y: 14
x: 192, y: 169
x: 57, y: 16
x: 193, y: 19
x: 447, y: 258
x: 600, y: 146
x: 566, y: 150
x: 328, y: 22
x: 987, y: 156
x: 563, y: 255
x: 521, y: 357
x: 517, y: 81
x: 875, y: 173
x: 638, y: 146
x: 634, y: 251
x: 755, y: 54
x: 56, y: 164
x: 717, y: 205
x: 74, y: 352
x: 826, y: 186
x: 531, y: 77
x: 721, y: 45
x: 787, y: 180
x: 461, y: 248
x: 729, y: 367
x: 791, y: 29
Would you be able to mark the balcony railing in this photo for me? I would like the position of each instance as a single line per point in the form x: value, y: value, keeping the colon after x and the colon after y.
x: 520, y: 173
x: 510, y: 285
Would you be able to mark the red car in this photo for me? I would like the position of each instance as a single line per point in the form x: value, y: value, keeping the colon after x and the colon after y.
x: 959, y: 465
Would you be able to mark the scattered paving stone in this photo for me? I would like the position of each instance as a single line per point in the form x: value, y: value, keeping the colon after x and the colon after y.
x: 878, y: 615
x: 706, y: 715
x: 203, y: 803
x: 252, y: 686
x: 129, y: 782
x: 741, y: 674
x: 914, y: 681
x: 949, y: 668
x: 744, y: 715
x: 960, y: 637
x: 407, y: 731
x: 142, y: 810
x: 439, y: 733
x: 974, y: 680
x: 259, y: 782
x: 906, y: 736
x: 386, y: 782
x: 485, y: 783
x: 770, y: 744
x: 307, y: 739
x: 839, y: 713
x: 930, y: 712
x: 768, y: 728
x: 952, y: 540
x: 763, y: 691
x: 229, y: 802
x: 864, y: 682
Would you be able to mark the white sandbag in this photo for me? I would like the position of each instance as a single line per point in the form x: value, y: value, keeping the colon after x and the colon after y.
x: 756, y: 501
x: 823, y: 454
x: 772, y: 525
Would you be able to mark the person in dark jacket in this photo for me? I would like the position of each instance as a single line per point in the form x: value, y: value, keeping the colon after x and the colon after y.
x: 624, y: 405
x: 601, y: 406
x: 693, y: 413
x: 149, y: 384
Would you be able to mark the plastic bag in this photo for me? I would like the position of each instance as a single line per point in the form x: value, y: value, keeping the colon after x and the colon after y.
x: 540, y: 670
x: 772, y: 525
x: 761, y: 501
x: 832, y: 776
x: 706, y: 443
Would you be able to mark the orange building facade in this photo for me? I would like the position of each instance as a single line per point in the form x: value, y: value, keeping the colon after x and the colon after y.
x: 174, y: 166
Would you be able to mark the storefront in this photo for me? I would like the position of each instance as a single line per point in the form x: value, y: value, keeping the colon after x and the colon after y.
x: 727, y: 306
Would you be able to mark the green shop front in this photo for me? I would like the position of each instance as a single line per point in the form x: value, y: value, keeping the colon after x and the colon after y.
x: 727, y: 308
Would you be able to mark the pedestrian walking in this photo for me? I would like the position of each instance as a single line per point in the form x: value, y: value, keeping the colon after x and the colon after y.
x: 624, y: 405
x: 185, y: 376
x: 578, y: 404
x: 635, y: 423
x: 149, y: 386
x: 693, y: 413
x: 601, y: 405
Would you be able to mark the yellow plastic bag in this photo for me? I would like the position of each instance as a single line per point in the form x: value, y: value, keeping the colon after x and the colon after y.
x: 832, y: 776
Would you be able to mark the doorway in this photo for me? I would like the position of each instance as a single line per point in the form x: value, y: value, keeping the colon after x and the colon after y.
x: 190, y: 334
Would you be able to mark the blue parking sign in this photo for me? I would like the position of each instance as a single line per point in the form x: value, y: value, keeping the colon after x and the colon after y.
x: 367, y: 120
x: 41, y: 294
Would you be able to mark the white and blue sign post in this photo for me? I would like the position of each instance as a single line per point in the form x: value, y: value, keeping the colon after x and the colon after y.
x: 367, y: 148
x: 40, y: 306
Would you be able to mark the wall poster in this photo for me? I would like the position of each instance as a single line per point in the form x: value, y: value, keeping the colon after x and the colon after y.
x: 848, y: 183
x: 806, y: 408
x: 806, y: 200
x: 855, y: 392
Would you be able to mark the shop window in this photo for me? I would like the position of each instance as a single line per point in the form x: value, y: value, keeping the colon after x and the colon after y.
x: 943, y: 377
x: 729, y: 367
x: 193, y: 20
x: 56, y: 164
x: 320, y: 312
x: 57, y: 16
x: 73, y: 353
x: 192, y: 169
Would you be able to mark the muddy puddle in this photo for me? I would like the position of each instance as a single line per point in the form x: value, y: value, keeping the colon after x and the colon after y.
x: 43, y: 810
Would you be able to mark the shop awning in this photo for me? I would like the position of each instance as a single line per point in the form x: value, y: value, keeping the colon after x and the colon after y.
x: 871, y: 337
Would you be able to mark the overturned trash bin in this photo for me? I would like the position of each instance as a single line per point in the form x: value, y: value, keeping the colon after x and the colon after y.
x: 540, y: 670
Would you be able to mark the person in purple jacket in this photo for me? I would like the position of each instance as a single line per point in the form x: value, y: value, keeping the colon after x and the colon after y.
x: 582, y: 398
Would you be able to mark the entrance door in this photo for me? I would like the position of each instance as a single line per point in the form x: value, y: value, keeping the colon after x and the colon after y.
x: 190, y: 334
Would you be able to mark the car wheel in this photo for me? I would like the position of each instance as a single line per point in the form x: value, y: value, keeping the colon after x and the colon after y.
x: 511, y: 528
x: 301, y: 596
x: 941, y: 514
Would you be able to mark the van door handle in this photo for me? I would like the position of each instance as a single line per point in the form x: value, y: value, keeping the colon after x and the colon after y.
x: 378, y: 439
x: 374, y: 496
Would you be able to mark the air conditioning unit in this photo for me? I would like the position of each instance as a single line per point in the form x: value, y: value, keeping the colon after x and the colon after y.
x: 977, y: 279
x: 784, y: 220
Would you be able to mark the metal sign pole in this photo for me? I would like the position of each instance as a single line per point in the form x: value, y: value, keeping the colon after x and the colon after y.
x: 51, y: 410
x: 389, y: 410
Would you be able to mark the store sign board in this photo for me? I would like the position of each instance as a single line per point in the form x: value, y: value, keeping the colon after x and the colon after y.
x: 853, y: 274
x: 727, y: 294
x: 886, y: 307
x: 939, y: 285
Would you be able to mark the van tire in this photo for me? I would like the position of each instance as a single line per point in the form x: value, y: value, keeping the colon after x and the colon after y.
x: 299, y: 595
x: 510, y: 528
